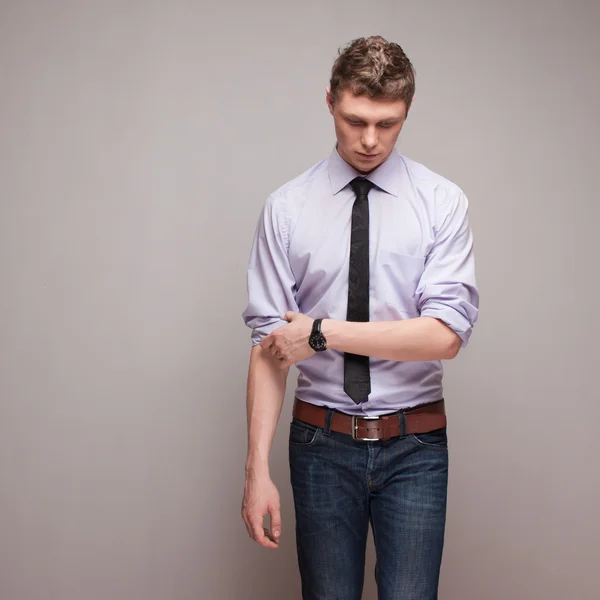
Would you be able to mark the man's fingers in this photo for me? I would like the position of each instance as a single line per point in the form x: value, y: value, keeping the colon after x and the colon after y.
x: 270, y: 536
x: 258, y: 533
x: 260, y: 536
x: 267, y: 341
x: 260, y: 499
x: 276, y: 522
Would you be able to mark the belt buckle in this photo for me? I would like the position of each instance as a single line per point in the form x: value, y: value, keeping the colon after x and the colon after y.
x: 355, y: 428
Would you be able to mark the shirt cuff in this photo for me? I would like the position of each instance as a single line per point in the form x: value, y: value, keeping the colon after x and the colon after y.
x: 461, y: 325
x: 261, y: 332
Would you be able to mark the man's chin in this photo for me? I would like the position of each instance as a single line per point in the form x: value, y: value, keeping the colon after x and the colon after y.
x: 362, y: 164
x: 367, y: 165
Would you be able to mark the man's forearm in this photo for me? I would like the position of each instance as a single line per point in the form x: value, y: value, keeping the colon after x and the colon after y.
x: 421, y: 338
x: 266, y: 389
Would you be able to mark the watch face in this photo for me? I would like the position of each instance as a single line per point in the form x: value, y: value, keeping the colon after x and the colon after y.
x: 317, y: 342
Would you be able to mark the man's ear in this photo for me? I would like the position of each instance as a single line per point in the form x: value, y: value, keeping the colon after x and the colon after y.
x: 329, y: 99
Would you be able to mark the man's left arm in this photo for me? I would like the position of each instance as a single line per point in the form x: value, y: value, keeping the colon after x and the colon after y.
x: 447, y: 300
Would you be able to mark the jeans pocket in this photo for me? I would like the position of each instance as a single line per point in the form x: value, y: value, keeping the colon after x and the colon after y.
x: 303, y: 434
x: 436, y: 439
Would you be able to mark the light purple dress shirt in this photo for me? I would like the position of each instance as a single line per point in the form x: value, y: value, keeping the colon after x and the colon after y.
x: 421, y: 264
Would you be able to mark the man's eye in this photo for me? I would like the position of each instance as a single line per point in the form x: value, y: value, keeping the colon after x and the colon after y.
x: 356, y: 123
x: 385, y: 125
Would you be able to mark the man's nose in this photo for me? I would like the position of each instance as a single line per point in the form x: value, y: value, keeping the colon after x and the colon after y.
x: 369, y: 138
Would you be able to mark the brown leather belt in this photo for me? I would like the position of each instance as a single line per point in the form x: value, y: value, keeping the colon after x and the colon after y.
x: 417, y: 420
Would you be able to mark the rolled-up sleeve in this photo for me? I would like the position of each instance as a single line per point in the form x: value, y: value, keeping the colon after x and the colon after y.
x: 447, y: 289
x: 271, y: 284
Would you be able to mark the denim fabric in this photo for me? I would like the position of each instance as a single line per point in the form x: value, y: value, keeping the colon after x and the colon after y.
x: 340, y: 485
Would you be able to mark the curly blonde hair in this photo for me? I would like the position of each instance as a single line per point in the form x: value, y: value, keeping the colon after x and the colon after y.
x: 374, y: 67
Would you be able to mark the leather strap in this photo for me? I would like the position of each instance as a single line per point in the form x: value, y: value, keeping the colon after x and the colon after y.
x: 417, y: 420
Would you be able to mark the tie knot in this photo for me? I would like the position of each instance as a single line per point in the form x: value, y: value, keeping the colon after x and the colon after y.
x: 361, y: 186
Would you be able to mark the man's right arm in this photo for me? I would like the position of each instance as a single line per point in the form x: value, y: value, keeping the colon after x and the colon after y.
x: 265, y: 393
x: 271, y: 293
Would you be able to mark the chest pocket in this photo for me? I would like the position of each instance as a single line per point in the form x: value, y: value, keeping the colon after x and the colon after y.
x: 398, y: 276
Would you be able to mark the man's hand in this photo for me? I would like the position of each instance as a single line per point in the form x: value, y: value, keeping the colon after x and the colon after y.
x: 261, y: 498
x: 289, y: 344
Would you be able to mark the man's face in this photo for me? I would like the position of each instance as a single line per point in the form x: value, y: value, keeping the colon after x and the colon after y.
x: 366, y: 128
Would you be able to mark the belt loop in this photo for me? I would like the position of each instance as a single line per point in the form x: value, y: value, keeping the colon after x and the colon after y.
x: 328, y: 417
x: 402, y: 418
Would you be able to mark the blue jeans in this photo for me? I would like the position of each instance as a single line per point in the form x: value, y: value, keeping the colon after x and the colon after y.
x: 340, y: 485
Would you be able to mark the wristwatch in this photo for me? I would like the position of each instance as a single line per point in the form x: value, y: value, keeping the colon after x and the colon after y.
x: 317, y: 340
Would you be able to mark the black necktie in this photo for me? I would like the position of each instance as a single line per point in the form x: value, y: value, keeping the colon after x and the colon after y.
x: 357, y: 379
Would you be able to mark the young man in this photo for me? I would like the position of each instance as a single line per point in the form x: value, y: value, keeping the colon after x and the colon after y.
x: 362, y: 274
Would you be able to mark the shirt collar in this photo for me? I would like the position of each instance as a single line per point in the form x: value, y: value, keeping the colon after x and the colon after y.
x: 386, y: 176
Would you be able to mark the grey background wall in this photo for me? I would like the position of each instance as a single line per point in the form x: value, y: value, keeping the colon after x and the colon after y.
x: 138, y: 143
